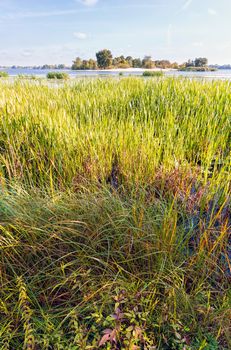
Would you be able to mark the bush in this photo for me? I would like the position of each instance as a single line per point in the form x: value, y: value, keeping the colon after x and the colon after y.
x: 57, y: 75
x: 153, y: 74
x: 4, y: 75
x: 123, y: 65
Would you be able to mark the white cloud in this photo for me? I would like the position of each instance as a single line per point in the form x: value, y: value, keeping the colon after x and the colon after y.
x: 80, y: 35
x: 212, y: 12
x: 187, y: 4
x: 89, y: 2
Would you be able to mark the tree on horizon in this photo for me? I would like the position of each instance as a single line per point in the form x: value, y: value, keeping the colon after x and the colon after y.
x: 104, y: 58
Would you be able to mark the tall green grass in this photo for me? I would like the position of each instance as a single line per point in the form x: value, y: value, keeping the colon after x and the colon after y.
x: 51, y: 136
x: 115, y: 214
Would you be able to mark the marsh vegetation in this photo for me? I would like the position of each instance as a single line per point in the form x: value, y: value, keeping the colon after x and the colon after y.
x: 115, y: 214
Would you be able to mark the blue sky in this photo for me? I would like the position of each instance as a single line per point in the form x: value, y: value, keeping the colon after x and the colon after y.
x: 56, y: 31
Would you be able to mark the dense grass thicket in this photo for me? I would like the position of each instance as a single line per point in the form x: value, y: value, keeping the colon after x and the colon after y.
x: 58, y: 75
x: 153, y: 74
x: 115, y: 215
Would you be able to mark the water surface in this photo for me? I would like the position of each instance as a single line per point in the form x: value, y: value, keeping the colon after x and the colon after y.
x: 221, y: 74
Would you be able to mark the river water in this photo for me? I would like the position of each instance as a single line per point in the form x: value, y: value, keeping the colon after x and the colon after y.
x: 221, y: 74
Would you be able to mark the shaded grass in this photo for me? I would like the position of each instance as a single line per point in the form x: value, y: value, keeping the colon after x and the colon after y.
x: 76, y: 254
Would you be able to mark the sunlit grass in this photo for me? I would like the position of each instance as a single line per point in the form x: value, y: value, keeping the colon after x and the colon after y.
x: 54, y: 134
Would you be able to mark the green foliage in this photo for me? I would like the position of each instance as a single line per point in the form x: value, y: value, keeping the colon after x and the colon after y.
x: 207, y: 343
x: 153, y: 74
x: 53, y: 66
x: 4, y: 74
x: 123, y: 65
x: 165, y: 64
x: 43, y: 141
x: 148, y: 63
x: 104, y: 58
x: 57, y: 75
x: 115, y: 214
x: 136, y: 63
x: 103, y: 268
x: 201, y: 62
x: 80, y: 64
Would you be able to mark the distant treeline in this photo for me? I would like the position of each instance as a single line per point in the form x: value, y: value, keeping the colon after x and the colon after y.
x: 224, y: 66
x: 45, y: 66
x: 105, y: 59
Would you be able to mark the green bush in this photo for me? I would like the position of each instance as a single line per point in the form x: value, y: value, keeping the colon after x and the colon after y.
x: 57, y: 75
x: 153, y: 74
x: 4, y: 75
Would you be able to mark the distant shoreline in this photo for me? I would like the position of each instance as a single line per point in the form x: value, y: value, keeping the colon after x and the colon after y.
x: 42, y: 73
x: 198, y: 69
x: 130, y: 69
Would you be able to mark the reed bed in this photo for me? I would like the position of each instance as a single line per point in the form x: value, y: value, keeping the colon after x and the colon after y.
x: 115, y: 215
